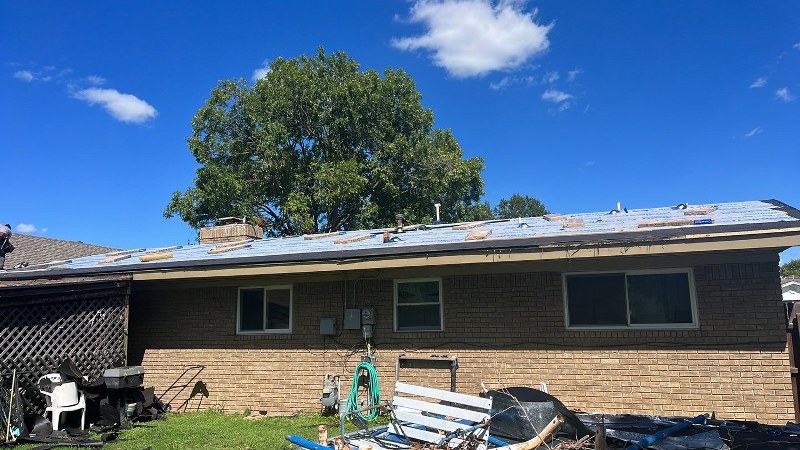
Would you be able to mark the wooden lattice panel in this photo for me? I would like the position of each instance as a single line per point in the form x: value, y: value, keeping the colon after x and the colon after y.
x: 35, y: 338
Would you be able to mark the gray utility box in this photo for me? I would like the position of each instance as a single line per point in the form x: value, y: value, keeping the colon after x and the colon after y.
x: 327, y: 326
x: 124, y: 377
x: 352, y: 319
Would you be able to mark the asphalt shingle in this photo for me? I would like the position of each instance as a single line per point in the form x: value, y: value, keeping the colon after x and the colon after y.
x: 39, y: 250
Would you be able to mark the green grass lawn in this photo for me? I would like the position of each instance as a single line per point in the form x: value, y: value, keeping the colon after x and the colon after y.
x: 213, y: 430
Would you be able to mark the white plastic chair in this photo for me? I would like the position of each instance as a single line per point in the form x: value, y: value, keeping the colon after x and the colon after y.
x: 64, y: 397
x: 52, y: 377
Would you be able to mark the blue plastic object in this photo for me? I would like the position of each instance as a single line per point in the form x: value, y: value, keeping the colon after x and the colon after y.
x: 305, y: 443
x: 664, y: 433
x: 498, y: 442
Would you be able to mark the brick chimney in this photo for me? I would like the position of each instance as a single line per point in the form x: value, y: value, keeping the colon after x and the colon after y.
x: 230, y: 229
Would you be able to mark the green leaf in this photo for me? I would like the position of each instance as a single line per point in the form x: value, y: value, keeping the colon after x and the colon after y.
x: 319, y: 144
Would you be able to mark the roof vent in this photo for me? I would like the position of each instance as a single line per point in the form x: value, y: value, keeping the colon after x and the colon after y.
x: 230, y: 229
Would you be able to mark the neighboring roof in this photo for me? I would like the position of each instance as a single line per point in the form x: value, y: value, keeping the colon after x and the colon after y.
x: 724, y: 221
x: 38, y: 250
x: 791, y: 288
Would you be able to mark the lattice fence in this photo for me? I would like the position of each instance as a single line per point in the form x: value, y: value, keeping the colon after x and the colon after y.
x: 36, y: 337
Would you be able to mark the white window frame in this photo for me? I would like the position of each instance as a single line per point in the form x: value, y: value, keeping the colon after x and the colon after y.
x: 441, y: 304
x: 650, y: 326
x: 264, y: 320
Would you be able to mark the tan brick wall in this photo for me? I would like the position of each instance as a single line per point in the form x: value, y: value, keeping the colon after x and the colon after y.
x: 506, y: 330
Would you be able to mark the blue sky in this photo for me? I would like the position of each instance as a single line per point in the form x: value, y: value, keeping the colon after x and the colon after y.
x: 581, y: 104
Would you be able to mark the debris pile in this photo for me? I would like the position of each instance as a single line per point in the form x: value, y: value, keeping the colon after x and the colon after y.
x: 109, y: 403
x: 522, y: 418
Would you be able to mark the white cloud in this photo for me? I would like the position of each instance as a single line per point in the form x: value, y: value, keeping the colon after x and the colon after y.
x: 123, y: 107
x: 26, y: 228
x: 261, y: 71
x: 760, y: 82
x: 96, y: 80
x: 24, y: 75
x: 474, y: 37
x: 572, y: 74
x: 784, y: 95
x: 550, y: 77
x: 797, y: 46
x: 502, y: 84
x: 564, y: 106
x: 555, y: 96
x: 753, y: 132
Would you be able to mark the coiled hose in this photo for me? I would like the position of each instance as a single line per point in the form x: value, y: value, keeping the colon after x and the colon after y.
x: 373, y: 392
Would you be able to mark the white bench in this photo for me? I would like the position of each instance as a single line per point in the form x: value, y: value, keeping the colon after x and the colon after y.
x: 430, y: 415
x: 435, y: 416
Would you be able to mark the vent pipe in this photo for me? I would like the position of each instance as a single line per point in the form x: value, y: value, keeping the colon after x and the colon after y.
x: 438, y: 219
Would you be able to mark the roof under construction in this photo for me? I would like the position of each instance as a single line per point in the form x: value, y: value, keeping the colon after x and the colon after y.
x: 680, y: 223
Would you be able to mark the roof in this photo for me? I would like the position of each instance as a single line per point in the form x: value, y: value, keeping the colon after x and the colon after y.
x: 790, y: 287
x: 727, y: 221
x: 38, y: 250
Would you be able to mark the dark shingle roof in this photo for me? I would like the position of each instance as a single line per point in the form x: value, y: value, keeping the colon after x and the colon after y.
x: 38, y: 250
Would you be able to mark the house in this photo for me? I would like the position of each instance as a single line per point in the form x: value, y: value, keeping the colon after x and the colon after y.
x: 32, y: 250
x: 790, y: 286
x: 670, y: 310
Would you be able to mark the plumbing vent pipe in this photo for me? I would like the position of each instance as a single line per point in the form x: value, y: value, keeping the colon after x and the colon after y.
x: 438, y: 219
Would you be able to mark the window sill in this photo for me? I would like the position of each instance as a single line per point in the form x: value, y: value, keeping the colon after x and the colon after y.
x: 636, y: 329
x: 263, y: 333
x: 419, y: 334
x: 261, y: 336
x: 419, y: 331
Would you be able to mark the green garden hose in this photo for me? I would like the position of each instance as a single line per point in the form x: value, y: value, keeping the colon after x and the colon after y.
x: 373, y: 392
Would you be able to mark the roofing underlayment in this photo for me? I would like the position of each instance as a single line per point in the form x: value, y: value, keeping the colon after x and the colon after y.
x: 635, y: 225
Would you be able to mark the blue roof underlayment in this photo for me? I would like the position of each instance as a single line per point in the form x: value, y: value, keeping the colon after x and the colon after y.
x: 595, y: 225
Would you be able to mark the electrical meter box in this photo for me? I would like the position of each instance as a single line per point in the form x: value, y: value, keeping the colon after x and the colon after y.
x: 352, y: 319
x: 368, y: 316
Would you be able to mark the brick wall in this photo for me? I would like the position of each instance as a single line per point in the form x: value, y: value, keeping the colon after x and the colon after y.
x: 506, y: 330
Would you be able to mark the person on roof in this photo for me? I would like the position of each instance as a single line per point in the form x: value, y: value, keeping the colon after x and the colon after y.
x: 5, y: 243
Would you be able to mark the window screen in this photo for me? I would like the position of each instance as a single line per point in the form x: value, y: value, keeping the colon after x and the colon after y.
x: 630, y: 299
x: 251, y: 309
x: 418, y: 305
x: 661, y: 298
x: 265, y: 310
x: 597, y: 299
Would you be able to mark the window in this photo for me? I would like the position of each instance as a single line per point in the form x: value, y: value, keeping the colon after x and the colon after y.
x: 632, y: 299
x: 265, y: 310
x: 418, y: 305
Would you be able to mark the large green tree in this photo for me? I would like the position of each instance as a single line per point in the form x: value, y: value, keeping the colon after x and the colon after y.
x: 791, y: 268
x: 519, y: 206
x: 317, y: 145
